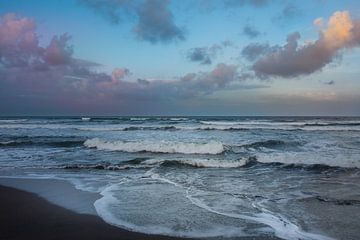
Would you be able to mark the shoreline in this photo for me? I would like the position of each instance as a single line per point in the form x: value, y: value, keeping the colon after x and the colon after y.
x: 25, y: 215
x: 54, y: 209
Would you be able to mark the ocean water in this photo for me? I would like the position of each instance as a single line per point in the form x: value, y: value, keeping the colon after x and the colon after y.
x: 210, y: 177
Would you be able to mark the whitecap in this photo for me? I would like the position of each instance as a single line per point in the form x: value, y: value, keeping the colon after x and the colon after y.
x: 212, y: 147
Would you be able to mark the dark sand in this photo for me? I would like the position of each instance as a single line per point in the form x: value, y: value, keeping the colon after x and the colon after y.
x: 24, y: 215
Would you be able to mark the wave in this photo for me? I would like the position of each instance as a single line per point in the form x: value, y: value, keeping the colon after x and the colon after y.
x: 12, y: 120
x: 292, y: 125
x: 139, y: 119
x: 211, y: 147
x: 129, y: 128
x: 101, y: 166
x: 133, y: 128
x: 355, y: 123
x: 251, y: 162
x: 149, y: 163
x: 42, y: 141
x: 270, y: 144
x: 221, y: 122
x: 221, y: 128
x: 200, y: 163
x: 179, y: 119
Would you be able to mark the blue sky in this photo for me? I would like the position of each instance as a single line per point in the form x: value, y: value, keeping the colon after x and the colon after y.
x: 164, y: 42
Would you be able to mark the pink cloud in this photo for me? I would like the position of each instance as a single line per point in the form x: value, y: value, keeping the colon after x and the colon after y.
x: 293, y: 59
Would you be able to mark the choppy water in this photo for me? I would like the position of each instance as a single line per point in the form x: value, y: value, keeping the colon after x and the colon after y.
x: 221, y: 177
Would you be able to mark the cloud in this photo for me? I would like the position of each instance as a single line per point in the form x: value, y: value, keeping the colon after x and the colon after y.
x: 251, y: 31
x: 293, y: 59
x: 112, y: 10
x: 119, y: 73
x: 330, y: 82
x: 255, y: 50
x: 204, y: 55
x: 199, y: 55
x: 240, y: 3
x: 49, y: 79
x: 290, y: 11
x: 155, y: 21
x: 191, y: 85
x: 319, y: 22
x: 18, y: 41
x: 58, y: 52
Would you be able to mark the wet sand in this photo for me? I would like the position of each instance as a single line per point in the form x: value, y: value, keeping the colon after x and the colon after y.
x: 25, y: 215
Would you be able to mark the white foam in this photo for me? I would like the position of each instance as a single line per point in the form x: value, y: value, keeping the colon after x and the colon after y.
x: 178, y: 119
x: 12, y: 120
x: 221, y: 122
x: 138, y: 119
x: 86, y: 119
x: 104, y: 209
x: 282, y: 227
x: 104, y: 128
x: 303, y: 125
x: 323, y: 156
x: 205, y: 163
x: 7, y: 142
x: 211, y: 147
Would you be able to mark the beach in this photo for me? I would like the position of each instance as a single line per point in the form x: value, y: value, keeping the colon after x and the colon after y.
x: 28, y: 215
x: 25, y: 215
x: 185, y: 177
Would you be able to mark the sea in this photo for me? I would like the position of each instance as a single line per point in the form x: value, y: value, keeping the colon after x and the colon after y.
x: 200, y: 177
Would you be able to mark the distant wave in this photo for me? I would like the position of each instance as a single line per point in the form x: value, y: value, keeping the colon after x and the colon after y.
x: 354, y: 123
x: 211, y: 147
x: 270, y: 144
x: 134, y: 128
x: 139, y: 163
x: 149, y: 163
x: 178, y: 119
x: 12, y: 120
x: 226, y: 123
x: 178, y: 126
x: 42, y: 141
x: 139, y: 119
x: 277, y: 123
x: 200, y: 163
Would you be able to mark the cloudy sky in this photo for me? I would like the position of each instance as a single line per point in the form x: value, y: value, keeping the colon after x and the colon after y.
x: 179, y: 57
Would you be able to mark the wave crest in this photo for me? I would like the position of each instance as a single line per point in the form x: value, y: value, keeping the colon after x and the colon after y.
x: 211, y: 147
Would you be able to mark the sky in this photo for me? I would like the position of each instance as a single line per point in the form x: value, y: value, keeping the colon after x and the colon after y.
x: 179, y: 57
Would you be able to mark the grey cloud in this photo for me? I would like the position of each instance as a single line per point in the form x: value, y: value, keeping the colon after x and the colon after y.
x: 228, y: 43
x: 200, y: 55
x: 112, y: 10
x: 155, y: 21
x: 189, y: 86
x: 330, y: 82
x: 251, y: 31
x: 205, y: 55
x: 240, y: 3
x: 289, y: 11
x: 255, y: 50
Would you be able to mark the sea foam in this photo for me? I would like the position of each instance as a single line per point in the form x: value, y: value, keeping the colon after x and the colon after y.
x: 212, y: 147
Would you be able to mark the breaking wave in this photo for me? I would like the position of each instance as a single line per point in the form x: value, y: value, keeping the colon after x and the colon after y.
x: 149, y: 163
x: 211, y: 147
x: 143, y: 163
